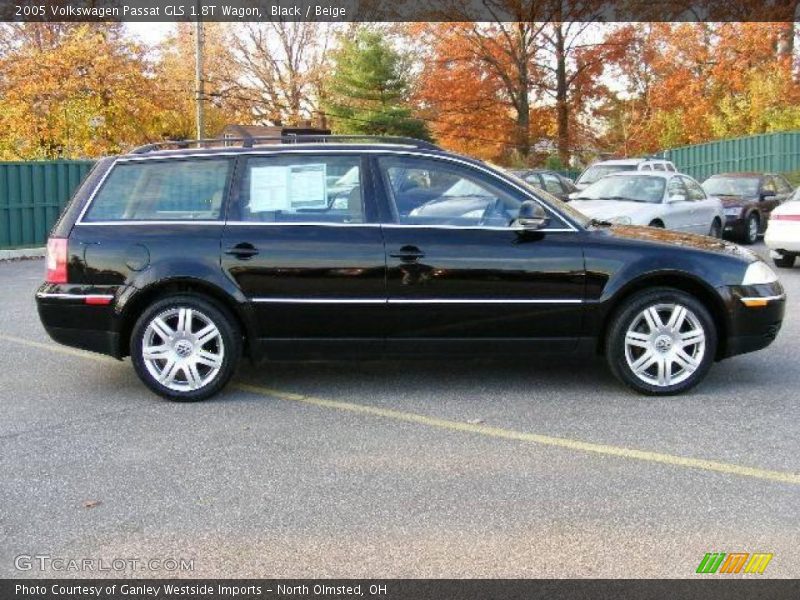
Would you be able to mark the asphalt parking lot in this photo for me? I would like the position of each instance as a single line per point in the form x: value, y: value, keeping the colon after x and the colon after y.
x: 385, y: 469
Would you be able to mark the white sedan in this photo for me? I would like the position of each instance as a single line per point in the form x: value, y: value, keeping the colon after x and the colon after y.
x: 783, y: 232
x: 658, y: 199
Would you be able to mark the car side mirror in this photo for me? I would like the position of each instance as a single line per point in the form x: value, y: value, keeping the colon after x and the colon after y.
x: 531, y: 216
x: 677, y: 198
x: 768, y: 194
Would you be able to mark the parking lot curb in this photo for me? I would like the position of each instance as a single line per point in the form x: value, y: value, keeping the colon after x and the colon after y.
x: 22, y: 253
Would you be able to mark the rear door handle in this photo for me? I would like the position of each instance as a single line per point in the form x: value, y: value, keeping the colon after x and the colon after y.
x: 408, y: 254
x: 242, y: 251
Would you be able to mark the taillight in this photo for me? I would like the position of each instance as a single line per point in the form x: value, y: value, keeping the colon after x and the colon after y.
x: 785, y: 217
x: 56, y: 261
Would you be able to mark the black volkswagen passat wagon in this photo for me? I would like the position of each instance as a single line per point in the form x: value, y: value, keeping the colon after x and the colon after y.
x: 187, y: 259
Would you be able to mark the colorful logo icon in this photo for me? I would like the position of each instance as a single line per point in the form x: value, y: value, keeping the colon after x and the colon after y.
x: 734, y: 562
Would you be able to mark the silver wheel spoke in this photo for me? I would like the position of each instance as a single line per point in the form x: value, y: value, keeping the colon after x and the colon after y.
x: 635, y: 338
x: 192, y: 375
x: 685, y: 361
x: 664, y: 374
x: 169, y: 371
x: 206, y: 334
x: 208, y: 359
x: 653, y: 319
x: 161, y: 352
x: 677, y: 318
x: 644, y: 362
x: 690, y: 338
x: 162, y: 329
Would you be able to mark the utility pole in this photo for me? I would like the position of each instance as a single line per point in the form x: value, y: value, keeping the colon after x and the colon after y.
x: 199, y: 92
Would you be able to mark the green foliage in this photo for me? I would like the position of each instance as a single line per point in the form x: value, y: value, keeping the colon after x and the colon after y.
x: 368, y: 89
x: 553, y: 162
x: 793, y: 177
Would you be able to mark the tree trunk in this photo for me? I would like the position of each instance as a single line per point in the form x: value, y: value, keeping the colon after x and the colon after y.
x: 562, y: 105
x: 522, y: 139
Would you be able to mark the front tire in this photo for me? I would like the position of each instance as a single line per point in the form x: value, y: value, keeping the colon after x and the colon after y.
x: 661, y: 342
x: 751, y: 227
x: 185, y: 348
x: 785, y: 261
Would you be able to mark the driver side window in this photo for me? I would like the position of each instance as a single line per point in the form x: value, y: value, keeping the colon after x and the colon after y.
x: 432, y: 192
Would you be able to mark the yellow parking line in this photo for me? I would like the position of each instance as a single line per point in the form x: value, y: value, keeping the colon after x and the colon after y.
x: 55, y: 348
x: 533, y: 438
x: 484, y: 430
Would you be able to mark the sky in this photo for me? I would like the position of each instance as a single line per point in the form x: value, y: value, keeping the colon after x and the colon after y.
x: 150, y: 33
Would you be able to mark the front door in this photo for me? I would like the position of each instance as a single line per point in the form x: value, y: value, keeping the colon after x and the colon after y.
x: 302, y: 244
x: 460, y: 276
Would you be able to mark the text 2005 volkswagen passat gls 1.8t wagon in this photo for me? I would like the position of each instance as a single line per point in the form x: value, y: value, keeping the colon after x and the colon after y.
x: 187, y: 259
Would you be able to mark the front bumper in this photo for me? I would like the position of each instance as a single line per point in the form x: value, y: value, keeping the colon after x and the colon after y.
x: 81, y: 318
x: 755, y: 316
x: 734, y: 225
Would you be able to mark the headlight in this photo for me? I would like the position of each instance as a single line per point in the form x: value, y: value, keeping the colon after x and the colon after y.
x: 732, y: 212
x: 758, y: 273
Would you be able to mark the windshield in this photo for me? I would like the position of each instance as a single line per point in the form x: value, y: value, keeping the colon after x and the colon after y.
x: 731, y: 186
x: 635, y: 188
x: 560, y: 206
x: 594, y: 173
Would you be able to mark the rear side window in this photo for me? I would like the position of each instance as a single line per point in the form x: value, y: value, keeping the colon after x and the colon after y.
x: 173, y: 190
x: 302, y: 189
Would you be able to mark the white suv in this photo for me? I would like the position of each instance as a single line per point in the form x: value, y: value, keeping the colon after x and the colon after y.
x: 607, y: 167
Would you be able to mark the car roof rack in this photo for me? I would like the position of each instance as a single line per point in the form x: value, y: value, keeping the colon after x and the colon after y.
x: 250, y: 142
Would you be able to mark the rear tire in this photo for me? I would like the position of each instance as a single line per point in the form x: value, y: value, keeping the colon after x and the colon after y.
x: 751, y: 227
x: 185, y: 348
x: 661, y: 342
x: 785, y: 261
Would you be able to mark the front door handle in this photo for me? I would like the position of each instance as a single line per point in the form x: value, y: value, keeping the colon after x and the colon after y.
x: 408, y: 254
x: 243, y: 251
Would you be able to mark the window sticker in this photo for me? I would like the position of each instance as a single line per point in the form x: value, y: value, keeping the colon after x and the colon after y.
x: 286, y: 188
x: 269, y: 189
x: 308, y: 186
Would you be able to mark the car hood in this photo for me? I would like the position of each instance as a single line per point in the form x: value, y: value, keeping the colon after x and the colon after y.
x: 734, y: 201
x: 608, y: 209
x: 667, y: 237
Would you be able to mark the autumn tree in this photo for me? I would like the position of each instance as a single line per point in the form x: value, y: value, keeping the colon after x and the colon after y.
x: 687, y: 83
x: 71, y: 90
x: 174, y: 84
x: 368, y: 88
x: 279, y: 69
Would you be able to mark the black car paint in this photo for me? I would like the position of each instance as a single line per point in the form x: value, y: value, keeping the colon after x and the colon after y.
x: 400, y: 287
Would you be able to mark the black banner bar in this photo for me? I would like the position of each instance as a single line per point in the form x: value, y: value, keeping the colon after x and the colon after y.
x: 398, y: 10
x: 399, y: 589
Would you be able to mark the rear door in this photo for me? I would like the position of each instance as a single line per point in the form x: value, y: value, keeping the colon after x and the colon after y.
x: 678, y: 215
x: 460, y: 277
x: 303, y: 245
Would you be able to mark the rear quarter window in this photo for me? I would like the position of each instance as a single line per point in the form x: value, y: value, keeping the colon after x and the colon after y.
x: 174, y: 190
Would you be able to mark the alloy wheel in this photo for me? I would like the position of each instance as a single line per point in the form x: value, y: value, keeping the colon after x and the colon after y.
x: 752, y: 228
x: 665, y: 344
x: 182, y: 349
